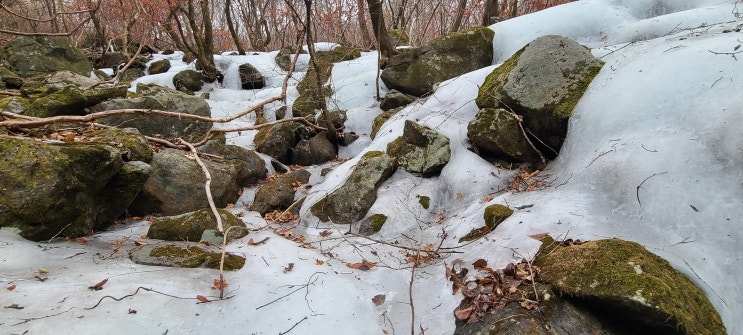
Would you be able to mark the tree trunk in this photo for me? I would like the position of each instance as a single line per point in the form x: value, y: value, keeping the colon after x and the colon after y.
x: 380, y: 31
x: 490, y: 13
x: 231, y: 27
x: 514, y: 8
x: 366, y: 40
x: 458, y: 16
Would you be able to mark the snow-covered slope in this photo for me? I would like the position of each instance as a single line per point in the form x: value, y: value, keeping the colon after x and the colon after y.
x: 654, y: 155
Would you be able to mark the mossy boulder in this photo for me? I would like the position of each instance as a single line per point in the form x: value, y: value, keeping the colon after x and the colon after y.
x: 394, y: 99
x: 188, y: 81
x: 66, y: 190
x: 131, y: 74
x: 249, y: 167
x: 381, y: 119
x: 493, y: 215
x: 196, y: 226
x: 415, y: 71
x: 159, y: 66
x: 185, y: 255
x: 309, y: 93
x: 542, y: 82
x: 420, y: 150
x: 631, y: 284
x: 10, y: 79
x: 63, y: 78
x: 496, y: 134
x: 17, y: 105
x: 278, y: 194
x: 151, y: 125
x: 372, y: 225
x: 317, y: 150
x: 279, y: 141
x: 350, y: 202
x: 284, y: 57
x: 130, y: 142
x: 32, y: 55
x: 70, y: 100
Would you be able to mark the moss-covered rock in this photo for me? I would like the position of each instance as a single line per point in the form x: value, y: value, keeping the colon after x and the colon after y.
x: 493, y: 216
x: 350, y: 202
x: 496, y: 134
x: 188, y: 81
x: 309, y: 98
x: 129, y: 141
x: 159, y: 66
x: 284, y: 57
x: 185, y: 255
x: 420, y: 150
x: 630, y: 283
x: 278, y: 194
x: 250, y: 77
x: 196, y: 226
x: 31, y: 55
x: 542, y: 82
x: 70, y: 100
x: 64, y: 78
x: 17, y: 105
x: 381, y: 119
x: 415, y: 71
x: 372, y: 225
x: 10, y: 79
x: 394, y: 99
x: 278, y: 141
x: 249, y: 167
x: 317, y: 150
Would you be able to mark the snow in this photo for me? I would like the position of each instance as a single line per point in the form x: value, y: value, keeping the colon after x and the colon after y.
x: 653, y: 155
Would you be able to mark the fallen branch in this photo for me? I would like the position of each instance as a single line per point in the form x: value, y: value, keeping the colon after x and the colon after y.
x: 10, y: 93
x: 118, y: 74
x: 643, y: 182
x: 290, y: 329
x: 42, y: 317
x: 207, y: 184
x: 135, y: 293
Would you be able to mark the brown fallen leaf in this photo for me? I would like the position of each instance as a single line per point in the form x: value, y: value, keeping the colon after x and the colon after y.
x: 10, y: 288
x: 363, y: 265
x: 202, y: 298
x: 464, y: 314
x: 480, y: 263
x: 251, y: 242
x: 539, y: 237
x: 378, y: 299
x: 326, y: 233
x: 81, y: 240
x: 319, y: 262
x: 14, y: 306
x: 139, y: 243
x: 529, y: 304
x: 132, y: 311
x: 289, y: 267
x: 99, y: 286
x: 219, y: 284
x: 40, y: 278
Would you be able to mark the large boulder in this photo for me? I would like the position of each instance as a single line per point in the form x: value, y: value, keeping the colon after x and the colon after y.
x: 278, y: 141
x: 415, y: 71
x: 309, y: 101
x: 542, y: 82
x: 420, y: 150
x: 350, y: 202
x: 284, y: 57
x: 317, y: 150
x: 159, y: 66
x: 28, y: 56
x: 130, y: 142
x: 394, y: 99
x: 632, y: 285
x: 64, y: 78
x: 496, y: 133
x: 196, y: 226
x: 177, y: 184
x: 9, y: 79
x: 278, y: 194
x: 250, y: 168
x: 67, y: 189
x: 151, y: 125
x: 188, y: 81
x: 250, y: 77
x: 60, y: 98
x: 185, y: 255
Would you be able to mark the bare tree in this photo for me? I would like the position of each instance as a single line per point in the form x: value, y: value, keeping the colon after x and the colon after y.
x: 490, y: 12
x: 459, y: 13
x: 366, y: 40
x: 231, y: 27
x: 198, y: 39
x: 376, y: 14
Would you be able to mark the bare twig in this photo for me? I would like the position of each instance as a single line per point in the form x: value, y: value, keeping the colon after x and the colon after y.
x: 41, y: 317
x: 290, y: 329
x: 118, y: 74
x: 10, y: 93
x: 290, y: 293
x: 207, y: 184
x: 643, y: 182
x: 135, y: 293
x: 410, y: 292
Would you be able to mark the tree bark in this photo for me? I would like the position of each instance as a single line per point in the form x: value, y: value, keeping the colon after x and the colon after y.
x: 514, y: 8
x: 231, y: 27
x: 458, y: 16
x: 366, y: 40
x: 380, y: 31
x: 490, y: 12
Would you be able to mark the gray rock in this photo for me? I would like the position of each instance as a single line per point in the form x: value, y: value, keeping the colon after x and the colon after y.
x: 120, y: 192
x: 129, y: 142
x: 63, y: 78
x: 496, y: 134
x: 415, y: 71
x: 394, y: 99
x: 185, y: 255
x: 62, y: 189
x: 196, y: 226
x: 381, y: 119
x: 151, y: 125
x: 33, y: 55
x: 350, y: 202
x: 284, y: 57
x: 176, y: 185
x: 250, y: 77
x: 420, y: 150
x: 542, y: 82
x: 131, y: 74
x: 112, y: 59
x: 278, y: 194
x: 10, y: 79
x: 278, y: 141
x: 316, y: 150
x: 188, y: 81
x: 70, y: 100
x: 17, y: 105
x: 249, y: 166
x: 159, y: 66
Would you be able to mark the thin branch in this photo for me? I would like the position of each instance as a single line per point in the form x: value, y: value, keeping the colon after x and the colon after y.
x: 135, y: 293
x: 118, y: 74
x: 42, y: 317
x: 290, y: 329
x: 207, y: 184
x: 643, y: 182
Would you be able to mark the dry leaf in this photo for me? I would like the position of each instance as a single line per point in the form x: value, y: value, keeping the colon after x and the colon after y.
x: 289, y: 267
x: 464, y: 314
x: 378, y: 299
x: 480, y: 263
x: 460, y: 196
x: 219, y: 284
x: 132, y: 311
x: 202, y: 298
x: 43, y: 271
x: 251, y: 242
x: 287, y: 233
x: 325, y: 233
x: 81, y: 240
x: 487, y: 199
x: 99, y: 286
x: 14, y: 306
x: 319, y: 262
x: 539, y: 237
x: 736, y: 47
x: 10, y: 288
x: 363, y: 265
x: 40, y: 278
x: 529, y: 304
x: 139, y: 244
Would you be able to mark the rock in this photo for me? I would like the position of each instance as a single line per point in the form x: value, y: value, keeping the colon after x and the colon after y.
x: 176, y: 185
x: 350, y: 202
x: 381, y: 119
x: 284, y: 57
x: 129, y: 142
x: 131, y: 74
x: 309, y: 94
x: 250, y: 77
x: 101, y: 75
x: 249, y: 166
x: 196, y: 226
x: 151, y: 125
x: 10, y: 79
x: 415, y: 71
x: 278, y: 141
x: 420, y: 150
x: 398, y: 37
x: 188, y: 81
x: 542, y: 82
x: 185, y: 255
x: 63, y: 78
x: 372, y: 225
x: 278, y: 194
x: 494, y: 215
x: 159, y: 66
x: 112, y: 60
x: 496, y: 134
x: 632, y: 285
x: 316, y: 150
x: 70, y: 100
x: 33, y: 55
x: 62, y: 189
x: 394, y: 99
x: 17, y: 105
